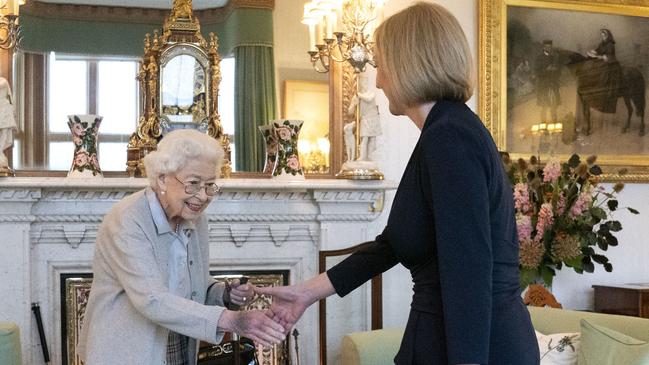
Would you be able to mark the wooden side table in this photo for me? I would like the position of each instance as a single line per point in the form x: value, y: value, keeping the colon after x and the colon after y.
x: 624, y: 299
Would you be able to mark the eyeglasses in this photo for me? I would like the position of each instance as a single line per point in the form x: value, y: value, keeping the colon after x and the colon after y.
x: 194, y: 186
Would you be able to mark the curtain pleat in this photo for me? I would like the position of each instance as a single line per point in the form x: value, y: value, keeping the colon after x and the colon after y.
x: 255, y: 104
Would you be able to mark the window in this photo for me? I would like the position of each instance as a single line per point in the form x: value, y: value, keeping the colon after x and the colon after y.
x: 77, y: 84
x: 84, y: 85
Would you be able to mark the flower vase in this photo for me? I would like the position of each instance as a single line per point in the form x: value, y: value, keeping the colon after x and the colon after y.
x: 84, y: 130
x: 287, y: 166
x: 271, y: 147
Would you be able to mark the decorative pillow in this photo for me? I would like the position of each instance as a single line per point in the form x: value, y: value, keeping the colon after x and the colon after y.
x: 558, y: 348
x: 604, y: 346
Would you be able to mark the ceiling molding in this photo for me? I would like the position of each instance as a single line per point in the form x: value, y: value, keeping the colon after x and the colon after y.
x: 123, y: 14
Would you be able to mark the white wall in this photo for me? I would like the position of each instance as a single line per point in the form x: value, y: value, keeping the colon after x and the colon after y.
x: 630, y: 259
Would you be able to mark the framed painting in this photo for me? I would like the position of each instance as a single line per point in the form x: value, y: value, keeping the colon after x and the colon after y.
x: 309, y: 101
x: 560, y: 77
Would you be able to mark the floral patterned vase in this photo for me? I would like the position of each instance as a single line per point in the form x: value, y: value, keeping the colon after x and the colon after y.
x: 287, y: 166
x: 271, y: 147
x: 84, y: 130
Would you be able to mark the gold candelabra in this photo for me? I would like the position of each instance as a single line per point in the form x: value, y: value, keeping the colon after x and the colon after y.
x: 9, y: 26
x: 314, y: 155
x: 351, y: 43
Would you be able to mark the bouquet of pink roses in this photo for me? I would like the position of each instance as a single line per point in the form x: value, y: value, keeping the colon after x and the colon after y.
x: 562, y: 216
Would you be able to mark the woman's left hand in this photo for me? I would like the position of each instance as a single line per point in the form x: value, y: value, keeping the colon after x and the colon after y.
x: 241, y: 294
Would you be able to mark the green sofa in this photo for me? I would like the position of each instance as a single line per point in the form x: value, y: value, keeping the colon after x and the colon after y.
x: 10, y: 344
x: 380, y: 346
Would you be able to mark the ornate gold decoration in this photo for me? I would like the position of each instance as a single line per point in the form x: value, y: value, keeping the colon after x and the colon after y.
x: 6, y: 172
x: 492, y: 96
x: 9, y: 27
x: 180, y: 29
x: 77, y: 291
x: 277, y: 354
x: 350, y: 80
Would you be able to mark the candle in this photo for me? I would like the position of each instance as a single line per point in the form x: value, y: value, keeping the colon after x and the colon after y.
x: 558, y: 127
x: 329, y: 25
x: 312, y: 37
x: 12, y: 6
x: 543, y: 126
x: 7, y: 7
x: 551, y: 127
x: 535, y: 128
x: 319, y: 33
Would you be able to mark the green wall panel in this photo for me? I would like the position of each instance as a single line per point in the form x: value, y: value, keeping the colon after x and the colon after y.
x: 243, y: 27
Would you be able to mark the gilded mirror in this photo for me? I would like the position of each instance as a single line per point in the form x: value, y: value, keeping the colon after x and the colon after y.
x: 183, y: 90
x: 107, y: 34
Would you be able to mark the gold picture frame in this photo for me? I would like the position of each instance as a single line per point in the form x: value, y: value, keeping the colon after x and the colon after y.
x: 509, y: 113
x: 309, y: 101
x: 76, y: 289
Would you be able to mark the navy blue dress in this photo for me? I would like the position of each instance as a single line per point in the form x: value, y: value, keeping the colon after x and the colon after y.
x: 452, y: 225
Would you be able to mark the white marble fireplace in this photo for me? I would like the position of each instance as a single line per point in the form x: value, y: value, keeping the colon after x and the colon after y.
x: 48, y: 228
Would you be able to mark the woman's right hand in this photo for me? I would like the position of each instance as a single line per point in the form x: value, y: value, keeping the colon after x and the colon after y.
x: 289, y: 303
x: 256, y: 325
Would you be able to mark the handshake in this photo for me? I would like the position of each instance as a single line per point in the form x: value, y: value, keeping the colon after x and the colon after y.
x: 271, y: 326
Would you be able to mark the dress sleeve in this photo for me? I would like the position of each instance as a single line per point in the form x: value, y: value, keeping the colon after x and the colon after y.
x: 128, y: 254
x: 362, y: 266
x: 458, y: 176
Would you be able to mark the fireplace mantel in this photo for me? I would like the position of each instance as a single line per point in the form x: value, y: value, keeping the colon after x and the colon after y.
x: 49, y: 225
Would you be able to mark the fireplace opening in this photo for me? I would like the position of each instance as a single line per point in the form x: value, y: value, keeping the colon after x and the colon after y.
x: 75, y: 289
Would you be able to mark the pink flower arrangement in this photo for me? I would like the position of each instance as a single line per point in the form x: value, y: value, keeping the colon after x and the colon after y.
x: 562, y: 216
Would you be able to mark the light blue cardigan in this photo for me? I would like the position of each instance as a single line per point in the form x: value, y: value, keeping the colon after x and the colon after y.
x: 130, y: 310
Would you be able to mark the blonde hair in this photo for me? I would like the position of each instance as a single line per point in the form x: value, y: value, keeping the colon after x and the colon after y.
x: 177, y: 148
x: 425, y: 55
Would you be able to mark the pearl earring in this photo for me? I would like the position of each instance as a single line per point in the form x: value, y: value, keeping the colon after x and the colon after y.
x: 163, y: 192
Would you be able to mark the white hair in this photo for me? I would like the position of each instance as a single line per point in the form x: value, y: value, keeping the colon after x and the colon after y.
x: 177, y: 148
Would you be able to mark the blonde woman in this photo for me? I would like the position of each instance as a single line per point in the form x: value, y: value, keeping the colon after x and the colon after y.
x: 452, y: 220
x: 152, y: 297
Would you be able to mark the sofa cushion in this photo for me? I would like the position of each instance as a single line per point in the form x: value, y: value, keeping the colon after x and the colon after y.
x: 10, y: 344
x: 558, y: 348
x: 550, y: 320
x: 604, y: 346
x: 378, y: 347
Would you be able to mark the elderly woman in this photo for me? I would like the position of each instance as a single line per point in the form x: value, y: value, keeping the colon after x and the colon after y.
x: 152, y: 296
x: 452, y: 219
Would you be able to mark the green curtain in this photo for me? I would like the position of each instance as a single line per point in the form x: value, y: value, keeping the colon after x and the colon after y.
x: 255, y: 103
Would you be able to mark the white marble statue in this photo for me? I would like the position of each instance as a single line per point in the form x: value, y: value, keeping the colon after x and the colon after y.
x: 370, y: 120
x: 7, y: 122
x: 350, y: 141
x: 362, y: 162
